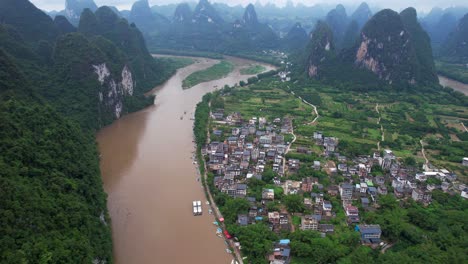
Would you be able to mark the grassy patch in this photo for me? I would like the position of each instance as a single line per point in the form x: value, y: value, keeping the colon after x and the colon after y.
x: 177, y: 62
x: 215, y: 72
x: 252, y: 70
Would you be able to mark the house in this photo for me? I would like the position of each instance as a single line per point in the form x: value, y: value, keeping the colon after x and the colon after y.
x: 380, y: 180
x: 365, y: 202
x: 382, y: 190
x: 370, y: 234
x: 318, y: 197
x: 326, y: 228
x: 308, y: 203
x: 242, y: 219
x: 352, y: 213
x: 241, y: 190
x: 333, y: 190
x: 293, y: 165
x: 274, y: 218
x: 399, y: 192
x: 316, y: 165
x: 327, y: 206
x: 268, y: 194
x: 330, y: 144
x: 363, y: 187
x: 388, y: 159
x: 464, y: 193
x: 308, y: 184
x: 291, y: 187
x: 310, y: 222
x: 318, y: 135
x: 372, y: 191
x: 420, y: 195
x: 465, y: 162
x: 346, y: 191
x: 281, y: 253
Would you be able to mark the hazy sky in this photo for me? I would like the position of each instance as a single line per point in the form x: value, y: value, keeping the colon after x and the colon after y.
x: 423, y: 5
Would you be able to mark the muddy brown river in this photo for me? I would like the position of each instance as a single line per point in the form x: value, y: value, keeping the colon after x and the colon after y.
x: 151, y: 180
x: 455, y: 85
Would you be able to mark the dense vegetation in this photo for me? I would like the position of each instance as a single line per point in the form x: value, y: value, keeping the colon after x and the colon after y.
x: 214, y: 72
x: 252, y: 70
x: 458, y: 72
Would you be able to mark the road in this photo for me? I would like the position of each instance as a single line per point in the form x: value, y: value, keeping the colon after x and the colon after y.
x: 216, y: 211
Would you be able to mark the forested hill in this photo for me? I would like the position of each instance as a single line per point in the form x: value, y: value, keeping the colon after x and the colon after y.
x: 392, y: 50
x: 58, y: 85
x: 52, y: 205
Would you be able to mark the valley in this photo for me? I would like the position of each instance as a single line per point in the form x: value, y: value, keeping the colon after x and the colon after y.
x: 213, y: 132
x: 151, y: 180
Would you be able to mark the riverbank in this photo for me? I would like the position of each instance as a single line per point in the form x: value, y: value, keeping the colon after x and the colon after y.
x: 150, y: 178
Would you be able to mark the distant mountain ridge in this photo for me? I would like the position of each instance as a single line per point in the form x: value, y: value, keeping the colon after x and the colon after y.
x: 391, y: 46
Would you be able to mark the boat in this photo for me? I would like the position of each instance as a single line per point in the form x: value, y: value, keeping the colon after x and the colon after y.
x: 228, y: 250
x: 197, y: 210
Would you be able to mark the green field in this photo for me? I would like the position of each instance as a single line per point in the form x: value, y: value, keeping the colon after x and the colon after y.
x: 457, y: 72
x: 215, y: 72
x: 177, y: 62
x: 252, y: 70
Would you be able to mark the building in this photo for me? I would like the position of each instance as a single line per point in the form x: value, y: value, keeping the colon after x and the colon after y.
x: 388, y: 159
x: 370, y: 234
x: 308, y: 184
x: 310, y: 222
x: 268, y: 194
x: 420, y: 195
x: 346, y: 191
x: 465, y: 162
x: 274, y: 218
x: 352, y: 213
x: 327, y: 206
x: 242, y: 220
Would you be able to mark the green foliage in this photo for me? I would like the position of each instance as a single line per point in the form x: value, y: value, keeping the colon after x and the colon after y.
x: 252, y: 70
x: 294, y: 203
x: 232, y: 208
x: 457, y: 72
x: 256, y: 241
x: 215, y: 72
x: 52, y: 197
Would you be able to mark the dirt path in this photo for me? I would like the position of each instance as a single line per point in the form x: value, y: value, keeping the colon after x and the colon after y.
x: 313, y: 106
x: 289, y: 148
x: 463, y: 125
x: 381, y: 126
x: 423, y: 152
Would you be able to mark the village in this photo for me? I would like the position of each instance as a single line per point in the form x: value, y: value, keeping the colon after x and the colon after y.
x: 244, y: 150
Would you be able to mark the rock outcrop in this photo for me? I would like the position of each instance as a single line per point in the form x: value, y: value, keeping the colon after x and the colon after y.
x: 74, y: 8
x: 320, y: 50
x: 456, y: 47
x: 362, y: 15
x: 396, y: 49
x: 182, y: 14
x: 385, y: 48
x: 250, y: 16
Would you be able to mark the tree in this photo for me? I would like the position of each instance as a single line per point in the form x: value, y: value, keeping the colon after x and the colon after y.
x: 294, y: 203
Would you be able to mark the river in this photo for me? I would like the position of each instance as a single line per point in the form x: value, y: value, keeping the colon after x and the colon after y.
x: 151, y: 181
x: 455, y: 85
